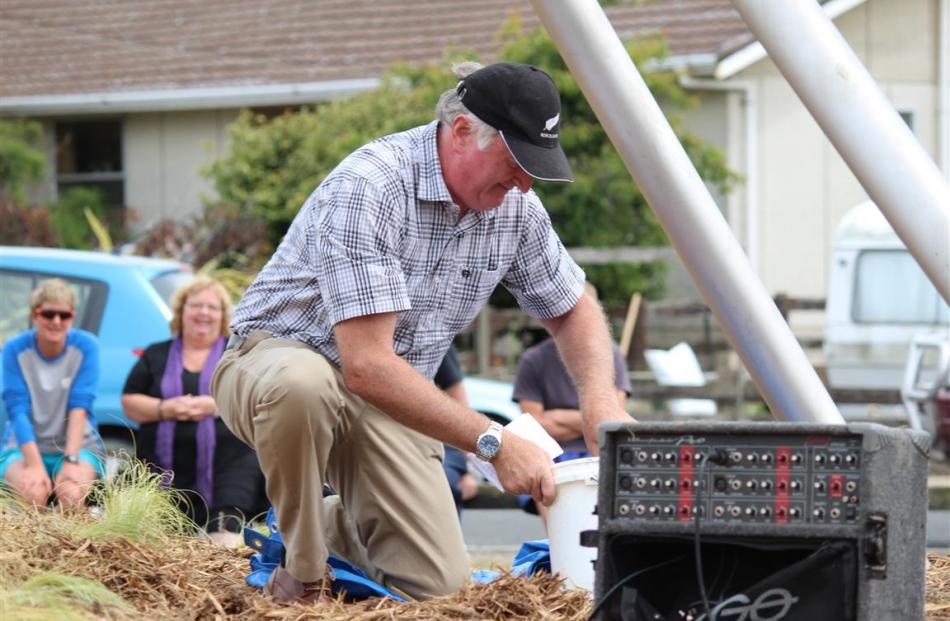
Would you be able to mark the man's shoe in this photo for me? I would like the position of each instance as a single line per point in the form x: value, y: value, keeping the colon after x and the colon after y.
x: 285, y: 588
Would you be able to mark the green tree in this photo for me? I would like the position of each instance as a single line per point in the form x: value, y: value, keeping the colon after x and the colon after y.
x: 69, y: 221
x: 274, y: 164
x: 21, y: 158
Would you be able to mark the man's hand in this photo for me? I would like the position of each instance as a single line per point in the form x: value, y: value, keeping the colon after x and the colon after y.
x: 612, y: 412
x: 524, y: 468
x: 468, y: 486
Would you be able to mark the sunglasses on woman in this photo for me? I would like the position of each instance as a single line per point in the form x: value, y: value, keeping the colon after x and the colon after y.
x: 50, y: 314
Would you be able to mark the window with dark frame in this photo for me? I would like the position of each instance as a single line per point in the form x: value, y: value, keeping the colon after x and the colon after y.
x: 89, y: 154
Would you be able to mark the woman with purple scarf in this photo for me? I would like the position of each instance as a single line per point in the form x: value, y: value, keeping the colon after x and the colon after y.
x: 167, y: 393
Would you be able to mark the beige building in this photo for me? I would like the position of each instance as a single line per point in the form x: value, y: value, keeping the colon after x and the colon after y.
x: 136, y: 97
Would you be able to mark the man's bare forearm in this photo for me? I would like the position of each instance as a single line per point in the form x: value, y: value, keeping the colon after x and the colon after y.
x: 584, y: 344
x: 395, y: 387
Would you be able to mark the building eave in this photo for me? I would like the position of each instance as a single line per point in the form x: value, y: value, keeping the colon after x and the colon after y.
x: 752, y: 53
x: 203, y: 98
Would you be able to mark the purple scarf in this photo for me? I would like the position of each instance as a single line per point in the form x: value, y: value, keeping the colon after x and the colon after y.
x: 165, y: 437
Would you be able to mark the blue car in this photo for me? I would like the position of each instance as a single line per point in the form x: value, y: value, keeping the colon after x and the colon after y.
x: 123, y: 300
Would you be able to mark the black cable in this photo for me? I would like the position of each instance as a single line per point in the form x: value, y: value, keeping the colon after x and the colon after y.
x: 718, y: 457
x: 696, y: 544
x: 628, y: 578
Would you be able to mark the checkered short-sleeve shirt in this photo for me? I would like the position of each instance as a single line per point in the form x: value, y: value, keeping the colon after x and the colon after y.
x: 381, y: 234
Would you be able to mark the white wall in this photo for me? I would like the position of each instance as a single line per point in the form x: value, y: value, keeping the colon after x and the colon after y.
x: 164, y: 153
x: 805, y: 186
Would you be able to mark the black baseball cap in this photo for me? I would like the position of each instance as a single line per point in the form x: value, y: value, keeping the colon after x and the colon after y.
x: 523, y: 104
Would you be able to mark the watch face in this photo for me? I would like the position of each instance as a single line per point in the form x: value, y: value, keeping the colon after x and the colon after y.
x: 488, y: 445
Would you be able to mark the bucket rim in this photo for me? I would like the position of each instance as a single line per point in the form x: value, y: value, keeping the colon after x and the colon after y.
x: 577, y: 470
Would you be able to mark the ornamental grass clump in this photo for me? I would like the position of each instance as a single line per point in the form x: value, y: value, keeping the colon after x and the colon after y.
x: 52, y: 595
x: 134, y: 505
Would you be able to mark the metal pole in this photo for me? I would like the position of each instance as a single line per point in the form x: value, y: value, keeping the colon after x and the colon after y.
x: 696, y: 228
x: 880, y: 149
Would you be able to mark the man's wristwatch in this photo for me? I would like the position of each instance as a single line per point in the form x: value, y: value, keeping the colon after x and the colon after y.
x: 73, y: 459
x: 489, y: 442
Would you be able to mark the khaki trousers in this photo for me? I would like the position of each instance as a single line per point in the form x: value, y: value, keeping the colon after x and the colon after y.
x: 394, y: 518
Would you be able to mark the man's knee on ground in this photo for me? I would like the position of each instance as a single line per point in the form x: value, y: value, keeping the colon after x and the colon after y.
x: 446, y: 579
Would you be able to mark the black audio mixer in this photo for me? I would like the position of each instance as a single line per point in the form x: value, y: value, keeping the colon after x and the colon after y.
x: 819, y: 521
x: 773, y: 478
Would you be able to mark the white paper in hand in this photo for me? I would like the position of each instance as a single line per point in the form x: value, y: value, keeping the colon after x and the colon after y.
x: 527, y: 427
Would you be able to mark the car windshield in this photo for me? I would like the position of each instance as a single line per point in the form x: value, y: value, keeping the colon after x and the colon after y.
x: 166, y: 284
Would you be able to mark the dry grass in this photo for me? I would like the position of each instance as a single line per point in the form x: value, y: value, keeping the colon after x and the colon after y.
x: 56, y: 565
x: 62, y: 565
x: 938, y: 588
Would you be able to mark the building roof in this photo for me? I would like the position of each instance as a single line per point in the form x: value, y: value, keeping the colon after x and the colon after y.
x: 119, y: 51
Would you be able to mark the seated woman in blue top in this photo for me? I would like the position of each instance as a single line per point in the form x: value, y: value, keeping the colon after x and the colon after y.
x: 50, y: 374
x: 180, y: 435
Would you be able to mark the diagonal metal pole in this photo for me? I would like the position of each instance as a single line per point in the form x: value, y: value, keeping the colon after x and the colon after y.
x: 686, y: 210
x: 882, y: 152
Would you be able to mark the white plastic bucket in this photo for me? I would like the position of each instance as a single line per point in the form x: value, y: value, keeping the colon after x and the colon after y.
x: 572, y: 513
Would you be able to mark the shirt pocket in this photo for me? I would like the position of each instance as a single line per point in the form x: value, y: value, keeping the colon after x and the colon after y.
x: 469, y: 293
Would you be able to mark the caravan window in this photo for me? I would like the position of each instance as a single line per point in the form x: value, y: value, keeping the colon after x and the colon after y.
x: 891, y: 288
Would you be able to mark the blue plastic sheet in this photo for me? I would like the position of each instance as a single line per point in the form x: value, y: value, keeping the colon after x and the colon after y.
x: 344, y: 576
x: 533, y: 557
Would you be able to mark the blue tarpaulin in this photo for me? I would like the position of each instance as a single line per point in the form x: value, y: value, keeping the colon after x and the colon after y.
x: 533, y: 557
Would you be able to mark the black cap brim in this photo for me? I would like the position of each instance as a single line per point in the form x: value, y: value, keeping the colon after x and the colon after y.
x: 544, y: 164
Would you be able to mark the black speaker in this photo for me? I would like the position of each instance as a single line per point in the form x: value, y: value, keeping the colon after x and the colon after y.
x: 760, y: 522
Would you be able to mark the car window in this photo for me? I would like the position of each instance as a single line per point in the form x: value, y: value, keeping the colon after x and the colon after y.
x: 15, y: 301
x: 166, y: 284
x: 892, y: 288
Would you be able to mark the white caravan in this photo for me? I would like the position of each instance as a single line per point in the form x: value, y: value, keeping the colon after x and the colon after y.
x: 878, y: 300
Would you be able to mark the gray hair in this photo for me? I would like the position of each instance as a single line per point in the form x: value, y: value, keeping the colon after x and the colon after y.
x: 450, y: 107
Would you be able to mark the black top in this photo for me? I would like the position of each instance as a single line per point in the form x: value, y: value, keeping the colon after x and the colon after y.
x: 238, y: 482
x: 145, y: 378
x: 450, y: 371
